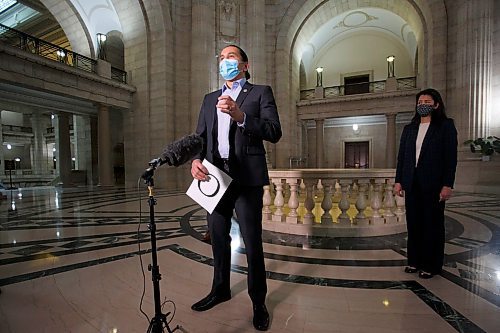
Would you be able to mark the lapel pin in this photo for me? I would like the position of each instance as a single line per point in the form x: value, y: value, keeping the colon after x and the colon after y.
x: 245, y: 90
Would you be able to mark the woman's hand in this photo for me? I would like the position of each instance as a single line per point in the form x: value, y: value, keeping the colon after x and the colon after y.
x: 445, y: 193
x: 398, y: 190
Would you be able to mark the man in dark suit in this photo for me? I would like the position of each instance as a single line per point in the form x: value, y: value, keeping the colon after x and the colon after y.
x: 427, y: 161
x: 234, y: 121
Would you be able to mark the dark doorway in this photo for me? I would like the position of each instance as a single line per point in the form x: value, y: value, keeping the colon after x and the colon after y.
x: 359, y: 84
x: 357, y: 155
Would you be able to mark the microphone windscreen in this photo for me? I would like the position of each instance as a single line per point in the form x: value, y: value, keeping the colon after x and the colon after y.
x: 182, y: 150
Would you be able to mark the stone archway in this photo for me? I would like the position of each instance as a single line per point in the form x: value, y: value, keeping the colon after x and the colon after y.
x: 71, y: 22
x: 301, y: 19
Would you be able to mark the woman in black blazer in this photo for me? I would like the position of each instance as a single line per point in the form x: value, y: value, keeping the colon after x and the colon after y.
x: 425, y: 174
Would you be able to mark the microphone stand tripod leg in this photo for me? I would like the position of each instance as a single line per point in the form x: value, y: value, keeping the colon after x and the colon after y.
x: 159, y: 321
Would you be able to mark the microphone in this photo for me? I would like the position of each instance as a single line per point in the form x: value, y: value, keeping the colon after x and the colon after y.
x: 176, y: 153
x: 182, y: 150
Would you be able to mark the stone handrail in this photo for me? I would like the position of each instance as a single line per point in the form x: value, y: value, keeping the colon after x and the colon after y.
x: 314, y: 201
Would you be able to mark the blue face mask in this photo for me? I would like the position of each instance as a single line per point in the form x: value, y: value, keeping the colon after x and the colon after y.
x: 424, y: 109
x: 228, y: 69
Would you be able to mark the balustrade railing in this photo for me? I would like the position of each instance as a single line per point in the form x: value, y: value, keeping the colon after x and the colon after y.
x: 359, y: 88
x: 332, y: 198
x: 14, y: 128
x: 118, y: 75
x: 407, y: 83
x: 51, y: 51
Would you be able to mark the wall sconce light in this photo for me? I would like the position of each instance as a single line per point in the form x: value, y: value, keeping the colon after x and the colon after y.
x: 390, y: 66
x: 355, y: 129
x: 319, y: 77
x: 17, y: 159
x: 101, y: 40
x: 9, y: 146
x: 61, y: 55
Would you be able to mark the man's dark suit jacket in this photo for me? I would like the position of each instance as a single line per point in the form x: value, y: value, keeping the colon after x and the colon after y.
x: 437, y: 161
x: 247, y: 154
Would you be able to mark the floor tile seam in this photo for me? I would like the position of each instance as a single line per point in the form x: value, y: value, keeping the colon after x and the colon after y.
x: 88, y: 249
x: 313, y: 253
x: 97, y: 237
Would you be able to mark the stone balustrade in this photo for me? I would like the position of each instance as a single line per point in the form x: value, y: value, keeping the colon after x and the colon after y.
x: 333, y: 202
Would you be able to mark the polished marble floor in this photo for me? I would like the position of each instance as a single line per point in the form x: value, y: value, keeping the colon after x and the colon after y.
x: 69, y: 262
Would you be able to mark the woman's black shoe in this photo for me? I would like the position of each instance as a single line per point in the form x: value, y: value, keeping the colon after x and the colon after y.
x: 260, y: 317
x: 425, y: 275
x: 409, y: 269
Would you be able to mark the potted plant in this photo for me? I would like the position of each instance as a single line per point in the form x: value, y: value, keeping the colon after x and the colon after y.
x: 486, y: 147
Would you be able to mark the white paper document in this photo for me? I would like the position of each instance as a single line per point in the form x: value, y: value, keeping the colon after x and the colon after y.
x: 208, y: 193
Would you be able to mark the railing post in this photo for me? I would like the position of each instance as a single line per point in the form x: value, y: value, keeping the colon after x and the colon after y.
x: 376, y: 204
x: 326, y: 204
x: 389, y: 203
x: 309, y: 202
x: 344, y: 203
x: 279, y: 201
x: 293, y: 201
x: 266, y: 201
x: 360, y: 218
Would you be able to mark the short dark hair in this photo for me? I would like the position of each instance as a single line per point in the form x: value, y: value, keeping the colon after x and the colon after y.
x: 438, y: 114
x: 243, y: 55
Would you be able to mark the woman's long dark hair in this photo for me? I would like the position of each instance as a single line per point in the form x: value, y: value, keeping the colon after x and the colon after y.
x: 438, y: 115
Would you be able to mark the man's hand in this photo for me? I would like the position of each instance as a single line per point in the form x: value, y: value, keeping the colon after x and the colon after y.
x: 398, y: 189
x: 228, y: 106
x: 445, y: 193
x: 198, y: 170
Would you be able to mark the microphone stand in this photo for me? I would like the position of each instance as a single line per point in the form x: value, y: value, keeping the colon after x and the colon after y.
x: 159, y: 321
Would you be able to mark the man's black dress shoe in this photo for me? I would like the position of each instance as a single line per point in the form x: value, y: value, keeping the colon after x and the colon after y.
x: 210, y: 301
x: 260, y: 317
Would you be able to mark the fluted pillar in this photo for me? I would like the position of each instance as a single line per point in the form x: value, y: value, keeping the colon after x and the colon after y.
x: 470, y: 66
x: 390, y: 146
x: 319, y: 143
x: 63, y: 149
x: 104, y: 147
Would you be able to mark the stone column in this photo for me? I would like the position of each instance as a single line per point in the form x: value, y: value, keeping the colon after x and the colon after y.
x: 319, y: 142
x: 38, y: 160
x: 390, y: 146
x: 83, y: 145
x: 104, y: 147
x: 2, y: 147
x: 63, y: 149
x: 203, y: 54
x: 470, y: 66
x: 256, y: 39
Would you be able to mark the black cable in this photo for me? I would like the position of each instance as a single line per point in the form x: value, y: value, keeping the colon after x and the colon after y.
x: 140, y: 252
